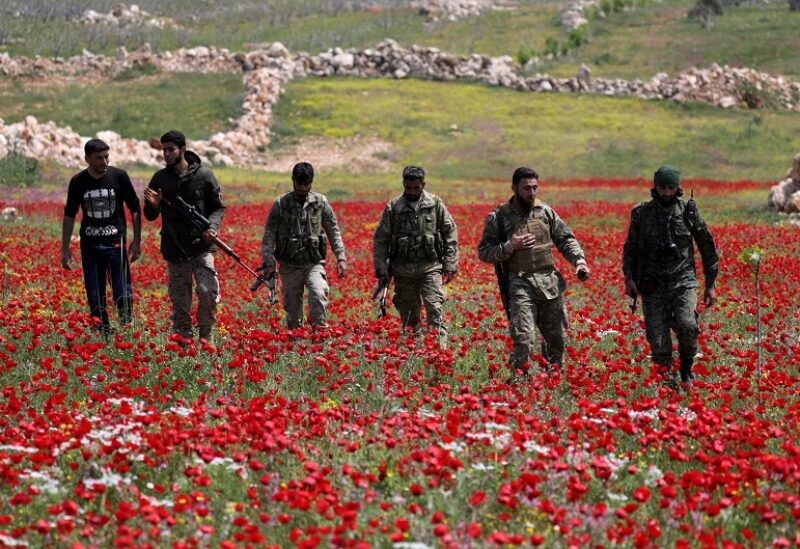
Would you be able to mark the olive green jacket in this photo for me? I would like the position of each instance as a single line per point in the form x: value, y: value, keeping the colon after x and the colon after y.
x: 646, y: 253
x: 292, y: 229
x: 492, y: 250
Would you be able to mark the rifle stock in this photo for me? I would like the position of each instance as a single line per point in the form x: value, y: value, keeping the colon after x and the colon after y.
x: 501, y: 271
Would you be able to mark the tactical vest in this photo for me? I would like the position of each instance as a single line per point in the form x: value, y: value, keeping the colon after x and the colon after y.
x: 300, y: 237
x: 540, y: 256
x: 415, y: 235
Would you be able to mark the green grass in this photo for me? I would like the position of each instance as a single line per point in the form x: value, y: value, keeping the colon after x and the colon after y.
x: 659, y: 37
x: 141, y: 107
x: 653, y: 37
x: 313, y: 30
x: 480, y: 132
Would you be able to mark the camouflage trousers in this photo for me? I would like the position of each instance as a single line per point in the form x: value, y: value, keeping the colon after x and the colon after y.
x: 294, y: 280
x: 666, y: 310
x: 180, y: 275
x: 531, y: 309
x: 411, y: 293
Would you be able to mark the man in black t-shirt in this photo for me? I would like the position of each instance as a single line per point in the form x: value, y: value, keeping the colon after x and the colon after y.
x: 100, y: 192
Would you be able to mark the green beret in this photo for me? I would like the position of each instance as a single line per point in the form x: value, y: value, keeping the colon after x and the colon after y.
x: 667, y: 176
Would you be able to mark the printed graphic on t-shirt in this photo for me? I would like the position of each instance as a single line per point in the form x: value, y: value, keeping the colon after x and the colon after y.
x: 99, y: 203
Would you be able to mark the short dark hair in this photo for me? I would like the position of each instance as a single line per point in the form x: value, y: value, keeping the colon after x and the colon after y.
x: 523, y: 173
x: 413, y: 173
x: 95, y: 145
x: 303, y: 172
x: 174, y: 136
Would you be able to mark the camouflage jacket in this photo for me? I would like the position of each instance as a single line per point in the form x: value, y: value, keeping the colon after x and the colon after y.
x: 648, y: 255
x: 296, y: 233
x: 419, y: 238
x: 492, y: 249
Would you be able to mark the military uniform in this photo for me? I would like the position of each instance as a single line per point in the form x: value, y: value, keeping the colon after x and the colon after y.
x: 415, y: 242
x: 535, y: 285
x: 659, y: 256
x: 296, y: 234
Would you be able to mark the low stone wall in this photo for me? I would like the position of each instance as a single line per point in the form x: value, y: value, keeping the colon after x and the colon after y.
x: 266, y: 69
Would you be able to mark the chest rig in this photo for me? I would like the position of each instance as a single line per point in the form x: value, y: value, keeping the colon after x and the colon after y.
x: 415, y: 237
x: 300, y: 235
x: 539, y: 257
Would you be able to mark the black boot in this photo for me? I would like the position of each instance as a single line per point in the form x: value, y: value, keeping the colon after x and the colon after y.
x: 686, y: 371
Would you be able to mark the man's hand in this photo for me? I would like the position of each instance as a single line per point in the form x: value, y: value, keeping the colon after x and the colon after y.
x: 66, y: 258
x: 152, y: 197
x: 448, y: 276
x: 582, y: 271
x: 522, y: 241
x: 134, y: 250
x: 209, y: 235
x: 709, y: 297
x: 630, y: 288
x: 341, y: 267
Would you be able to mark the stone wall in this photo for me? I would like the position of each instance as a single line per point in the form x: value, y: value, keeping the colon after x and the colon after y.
x: 266, y: 69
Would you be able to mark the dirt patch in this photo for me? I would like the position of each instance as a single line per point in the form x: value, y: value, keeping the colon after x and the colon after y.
x: 356, y: 154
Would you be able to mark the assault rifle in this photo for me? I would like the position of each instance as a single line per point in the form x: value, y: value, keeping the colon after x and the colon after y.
x: 202, y: 224
x: 381, y: 290
x: 271, y: 280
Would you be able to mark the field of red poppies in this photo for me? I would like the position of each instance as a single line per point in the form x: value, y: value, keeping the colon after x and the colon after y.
x: 365, y: 437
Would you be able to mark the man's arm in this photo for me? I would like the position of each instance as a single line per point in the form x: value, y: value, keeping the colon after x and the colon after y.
x: 134, y: 206
x: 152, y: 200
x: 710, y: 257
x: 214, y: 205
x: 630, y: 254
x: 448, y: 232
x: 67, y: 224
x: 490, y: 249
x: 331, y: 227
x: 381, y: 241
x: 564, y: 239
x: 135, y: 248
x: 269, y: 238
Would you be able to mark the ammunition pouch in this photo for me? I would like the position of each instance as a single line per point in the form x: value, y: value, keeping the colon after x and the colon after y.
x: 312, y: 249
x: 415, y: 248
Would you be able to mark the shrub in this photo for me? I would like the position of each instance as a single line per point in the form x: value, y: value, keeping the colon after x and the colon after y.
x: 706, y: 11
x: 138, y: 70
x: 551, y: 46
x: 524, y: 54
x: 17, y: 170
x: 577, y: 38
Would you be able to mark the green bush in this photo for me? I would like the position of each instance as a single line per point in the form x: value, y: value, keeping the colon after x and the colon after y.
x: 551, y: 46
x: 17, y: 170
x: 577, y: 38
x: 138, y: 70
x: 524, y: 54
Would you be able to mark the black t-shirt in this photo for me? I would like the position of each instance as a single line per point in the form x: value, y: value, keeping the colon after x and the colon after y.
x: 100, y: 201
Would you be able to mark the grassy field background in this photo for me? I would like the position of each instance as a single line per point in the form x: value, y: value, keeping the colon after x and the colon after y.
x: 460, y: 132
x: 636, y: 42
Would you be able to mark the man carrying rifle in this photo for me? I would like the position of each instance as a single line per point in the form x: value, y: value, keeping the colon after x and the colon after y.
x: 187, y: 249
x: 518, y: 238
x: 658, y: 264
x: 418, y: 236
x: 296, y: 233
